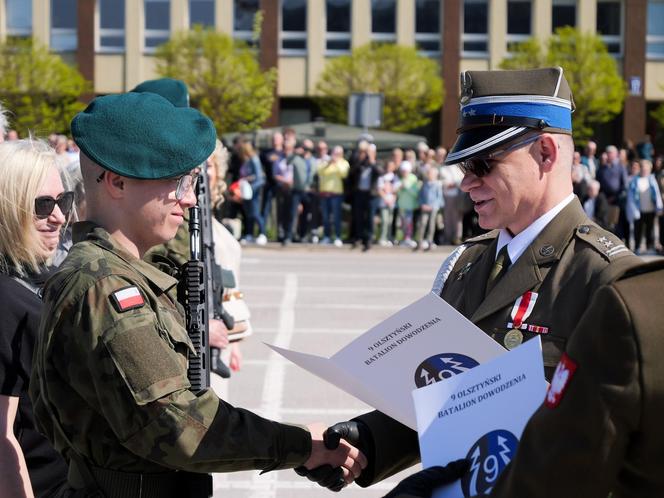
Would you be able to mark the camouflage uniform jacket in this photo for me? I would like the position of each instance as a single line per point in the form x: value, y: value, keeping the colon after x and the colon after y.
x: 113, y: 375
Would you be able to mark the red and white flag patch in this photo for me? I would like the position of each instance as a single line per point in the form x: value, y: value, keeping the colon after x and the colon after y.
x: 128, y: 298
x: 561, y: 379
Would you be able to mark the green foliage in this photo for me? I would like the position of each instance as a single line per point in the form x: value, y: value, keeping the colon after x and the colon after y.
x: 410, y: 83
x: 599, y: 90
x: 658, y: 114
x: 224, y: 78
x: 39, y: 89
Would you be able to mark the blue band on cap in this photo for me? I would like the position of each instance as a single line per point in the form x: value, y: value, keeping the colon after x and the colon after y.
x: 554, y: 116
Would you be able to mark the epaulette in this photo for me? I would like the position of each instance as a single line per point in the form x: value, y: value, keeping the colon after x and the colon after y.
x: 644, y: 267
x: 603, y: 241
x: 481, y: 238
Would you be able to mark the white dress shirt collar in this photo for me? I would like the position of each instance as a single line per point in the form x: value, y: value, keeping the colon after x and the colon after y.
x: 518, y: 243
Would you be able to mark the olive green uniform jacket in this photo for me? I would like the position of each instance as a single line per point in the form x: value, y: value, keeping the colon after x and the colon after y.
x: 604, y: 433
x: 566, y: 263
x: 112, y: 385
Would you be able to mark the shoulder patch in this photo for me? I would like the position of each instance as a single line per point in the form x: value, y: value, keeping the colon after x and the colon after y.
x: 127, y: 298
x: 606, y: 243
x: 561, y: 379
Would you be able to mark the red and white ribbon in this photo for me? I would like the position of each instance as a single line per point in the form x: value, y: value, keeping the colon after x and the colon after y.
x: 522, y: 309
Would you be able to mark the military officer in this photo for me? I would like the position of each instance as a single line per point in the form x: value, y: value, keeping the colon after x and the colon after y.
x: 598, y: 431
x: 536, y: 270
x: 109, y: 385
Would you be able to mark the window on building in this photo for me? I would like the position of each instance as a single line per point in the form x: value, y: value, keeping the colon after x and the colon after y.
x: 201, y: 12
x: 427, y: 27
x: 609, y: 25
x: 655, y: 34
x: 157, y: 23
x: 293, y: 27
x: 563, y: 13
x: 475, y: 36
x: 19, y: 17
x: 519, y: 22
x: 111, y: 32
x: 64, y: 20
x: 243, y: 19
x: 383, y: 20
x: 338, y: 28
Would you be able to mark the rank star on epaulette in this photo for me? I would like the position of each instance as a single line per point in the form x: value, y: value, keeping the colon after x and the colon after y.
x: 127, y: 298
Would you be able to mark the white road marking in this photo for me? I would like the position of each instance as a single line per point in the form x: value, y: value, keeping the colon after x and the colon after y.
x: 331, y: 306
x: 346, y: 289
x: 426, y: 276
x: 275, y: 375
x: 312, y: 330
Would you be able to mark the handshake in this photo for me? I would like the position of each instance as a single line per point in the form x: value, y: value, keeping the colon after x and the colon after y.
x: 339, y: 455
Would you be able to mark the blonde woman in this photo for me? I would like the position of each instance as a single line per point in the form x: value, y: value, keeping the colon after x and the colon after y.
x: 33, y: 211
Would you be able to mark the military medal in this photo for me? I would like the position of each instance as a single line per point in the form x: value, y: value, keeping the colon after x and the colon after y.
x: 513, y: 338
x: 521, y: 310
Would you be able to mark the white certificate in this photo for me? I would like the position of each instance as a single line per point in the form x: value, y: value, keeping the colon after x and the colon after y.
x: 423, y: 343
x: 480, y: 415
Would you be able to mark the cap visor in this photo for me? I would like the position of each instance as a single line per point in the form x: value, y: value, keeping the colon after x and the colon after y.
x: 481, y: 141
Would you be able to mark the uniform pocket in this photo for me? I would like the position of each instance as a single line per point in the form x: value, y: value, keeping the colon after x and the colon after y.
x: 552, y: 349
x: 149, y: 365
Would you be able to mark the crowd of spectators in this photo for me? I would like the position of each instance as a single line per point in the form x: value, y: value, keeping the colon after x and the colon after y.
x: 301, y: 191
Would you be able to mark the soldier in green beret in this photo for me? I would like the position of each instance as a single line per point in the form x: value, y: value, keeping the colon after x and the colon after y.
x: 537, y: 269
x: 109, y: 384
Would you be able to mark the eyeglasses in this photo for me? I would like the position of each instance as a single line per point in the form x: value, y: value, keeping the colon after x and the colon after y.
x: 185, y: 182
x: 45, y: 205
x: 481, y: 165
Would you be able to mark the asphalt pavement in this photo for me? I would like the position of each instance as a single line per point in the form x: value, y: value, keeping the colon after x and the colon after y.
x: 316, y: 300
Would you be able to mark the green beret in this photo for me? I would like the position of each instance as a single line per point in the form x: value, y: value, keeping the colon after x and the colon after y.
x: 175, y: 91
x: 143, y: 135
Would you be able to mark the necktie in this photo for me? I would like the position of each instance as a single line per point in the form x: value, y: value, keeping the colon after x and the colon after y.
x: 499, y: 269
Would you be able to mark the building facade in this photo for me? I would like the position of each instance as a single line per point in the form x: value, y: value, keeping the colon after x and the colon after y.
x: 113, y: 41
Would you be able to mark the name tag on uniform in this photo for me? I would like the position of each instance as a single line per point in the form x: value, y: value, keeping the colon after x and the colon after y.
x: 127, y: 298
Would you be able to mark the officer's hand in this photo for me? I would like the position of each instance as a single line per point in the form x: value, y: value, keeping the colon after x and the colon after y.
x: 218, y: 334
x: 340, y: 457
x: 423, y: 483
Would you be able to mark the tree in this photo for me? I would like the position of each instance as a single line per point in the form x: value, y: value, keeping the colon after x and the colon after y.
x: 39, y: 89
x: 592, y: 74
x: 410, y: 83
x: 224, y: 78
x: 658, y: 114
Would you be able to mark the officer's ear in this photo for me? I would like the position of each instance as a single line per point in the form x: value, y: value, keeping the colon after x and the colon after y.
x: 114, y: 184
x: 547, y: 152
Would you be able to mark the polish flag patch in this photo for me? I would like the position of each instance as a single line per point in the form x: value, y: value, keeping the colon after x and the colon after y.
x: 128, y: 298
x: 561, y: 378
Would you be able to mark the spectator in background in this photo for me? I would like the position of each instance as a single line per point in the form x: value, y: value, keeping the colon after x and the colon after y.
x: 658, y: 169
x: 331, y: 175
x: 12, y: 135
x: 397, y: 157
x: 303, y: 180
x: 451, y: 177
x: 251, y: 172
x: 644, y: 202
x: 365, y: 196
x: 34, y: 208
x: 269, y: 158
x: 283, y: 177
x: 388, y: 184
x: 595, y: 204
x: 431, y: 201
x: 408, y: 201
x: 580, y: 179
x: 645, y: 149
x: 612, y: 178
x: 589, y: 159
x: 420, y: 165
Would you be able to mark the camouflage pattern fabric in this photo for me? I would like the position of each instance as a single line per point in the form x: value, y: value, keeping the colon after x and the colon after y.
x: 116, y: 380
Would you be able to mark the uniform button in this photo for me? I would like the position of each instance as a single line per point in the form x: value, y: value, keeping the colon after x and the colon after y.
x: 584, y: 229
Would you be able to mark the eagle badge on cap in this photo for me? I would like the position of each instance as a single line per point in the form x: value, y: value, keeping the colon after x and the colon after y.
x: 466, y: 87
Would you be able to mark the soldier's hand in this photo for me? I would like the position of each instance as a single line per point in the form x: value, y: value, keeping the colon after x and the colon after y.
x: 332, y: 466
x: 218, y: 334
x: 423, y: 483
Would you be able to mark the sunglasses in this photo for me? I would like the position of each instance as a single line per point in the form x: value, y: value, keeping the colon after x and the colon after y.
x: 481, y: 165
x: 45, y: 205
